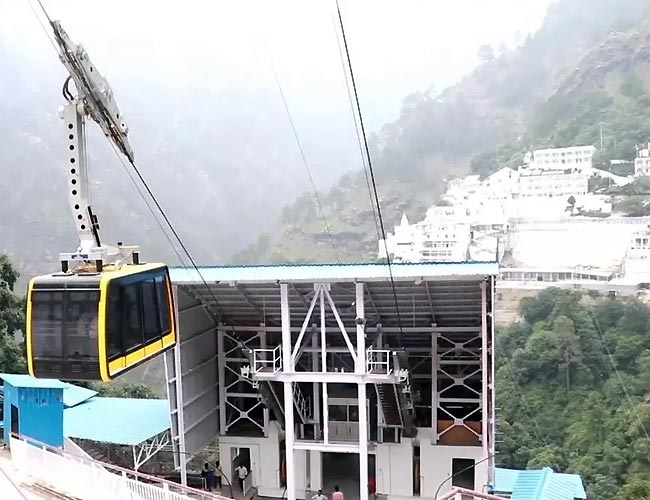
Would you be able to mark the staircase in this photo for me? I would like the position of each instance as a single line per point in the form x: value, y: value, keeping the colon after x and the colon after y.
x: 396, y: 399
x: 387, y: 394
x: 272, y: 394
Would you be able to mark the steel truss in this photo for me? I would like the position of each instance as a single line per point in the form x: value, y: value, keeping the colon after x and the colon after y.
x: 144, y: 452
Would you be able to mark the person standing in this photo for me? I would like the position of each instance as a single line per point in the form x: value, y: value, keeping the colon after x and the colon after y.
x: 319, y: 496
x: 338, y: 494
x: 205, y: 476
x: 217, y: 475
x: 242, y: 472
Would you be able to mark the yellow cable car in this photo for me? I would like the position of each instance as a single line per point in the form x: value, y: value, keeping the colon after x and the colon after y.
x: 96, y: 325
x: 105, y: 312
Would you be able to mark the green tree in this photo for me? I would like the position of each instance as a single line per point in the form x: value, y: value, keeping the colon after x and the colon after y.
x: 12, y: 356
x: 565, y: 403
x: 117, y: 390
x: 636, y: 487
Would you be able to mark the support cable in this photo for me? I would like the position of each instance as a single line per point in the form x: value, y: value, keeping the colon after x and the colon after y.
x: 305, y: 163
x: 358, y: 133
x: 372, y: 176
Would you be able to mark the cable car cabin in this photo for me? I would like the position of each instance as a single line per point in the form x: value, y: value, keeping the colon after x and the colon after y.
x: 96, y: 326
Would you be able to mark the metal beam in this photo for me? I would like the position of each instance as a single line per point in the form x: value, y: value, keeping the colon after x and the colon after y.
x: 327, y: 377
x: 433, y: 312
x: 327, y: 448
x: 372, y: 303
x: 300, y: 295
x: 255, y: 307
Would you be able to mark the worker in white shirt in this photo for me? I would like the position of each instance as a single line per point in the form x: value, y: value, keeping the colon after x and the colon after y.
x: 319, y: 496
x: 242, y: 472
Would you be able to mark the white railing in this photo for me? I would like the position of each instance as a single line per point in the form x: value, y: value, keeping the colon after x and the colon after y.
x: 462, y: 493
x: 88, y: 479
x: 378, y: 361
x: 267, y: 360
x: 72, y: 448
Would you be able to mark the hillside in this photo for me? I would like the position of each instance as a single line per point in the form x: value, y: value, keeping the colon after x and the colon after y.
x: 550, y: 90
x: 573, y: 391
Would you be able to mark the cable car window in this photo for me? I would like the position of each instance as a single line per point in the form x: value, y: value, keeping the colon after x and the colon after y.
x: 47, y: 320
x: 150, y: 311
x: 81, y: 324
x: 131, y: 319
x: 113, y: 336
x: 162, y: 288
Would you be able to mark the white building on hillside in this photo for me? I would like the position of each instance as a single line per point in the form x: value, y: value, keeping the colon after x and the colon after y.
x: 642, y: 161
x: 443, y: 236
x: 576, y: 158
x: 480, y: 213
x: 548, y: 183
x: 637, y: 258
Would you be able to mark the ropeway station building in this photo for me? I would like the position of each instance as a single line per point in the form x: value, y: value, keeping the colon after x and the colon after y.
x: 323, y: 375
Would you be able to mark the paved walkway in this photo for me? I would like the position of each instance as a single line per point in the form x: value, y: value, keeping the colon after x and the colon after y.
x: 12, y: 481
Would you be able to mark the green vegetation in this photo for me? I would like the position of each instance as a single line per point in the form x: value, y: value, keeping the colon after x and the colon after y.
x: 573, y: 383
x: 12, y: 354
x: 129, y: 390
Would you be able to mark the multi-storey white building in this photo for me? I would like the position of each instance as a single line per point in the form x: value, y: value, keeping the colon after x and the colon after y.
x: 637, y: 257
x: 576, y: 158
x: 550, y: 183
x: 642, y: 161
x: 443, y: 236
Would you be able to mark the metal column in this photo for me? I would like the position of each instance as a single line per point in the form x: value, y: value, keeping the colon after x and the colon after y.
x: 360, y: 369
x: 484, y: 372
x: 434, y: 384
x: 287, y: 364
x: 221, y: 356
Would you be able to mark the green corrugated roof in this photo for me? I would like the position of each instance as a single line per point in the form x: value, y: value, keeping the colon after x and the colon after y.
x: 332, y: 272
x: 122, y: 421
x: 72, y: 394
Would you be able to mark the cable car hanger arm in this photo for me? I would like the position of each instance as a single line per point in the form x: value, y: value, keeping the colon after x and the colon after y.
x: 94, y: 99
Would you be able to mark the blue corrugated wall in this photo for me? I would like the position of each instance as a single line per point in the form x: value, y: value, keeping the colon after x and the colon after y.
x: 40, y: 413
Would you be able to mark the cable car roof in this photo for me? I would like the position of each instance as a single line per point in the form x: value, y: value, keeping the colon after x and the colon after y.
x: 446, y: 294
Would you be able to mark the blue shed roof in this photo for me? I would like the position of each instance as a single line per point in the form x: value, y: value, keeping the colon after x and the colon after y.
x: 505, y: 479
x: 332, y: 272
x: 122, y: 421
x: 72, y: 394
x: 18, y: 380
x: 530, y: 485
x: 539, y: 484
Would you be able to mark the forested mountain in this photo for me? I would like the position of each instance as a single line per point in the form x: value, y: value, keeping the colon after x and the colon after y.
x: 584, y: 69
x: 573, y: 391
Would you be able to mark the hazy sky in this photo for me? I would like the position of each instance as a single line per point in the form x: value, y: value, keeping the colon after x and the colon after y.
x: 397, y: 46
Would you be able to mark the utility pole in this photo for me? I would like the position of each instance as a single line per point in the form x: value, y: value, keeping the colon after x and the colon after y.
x: 601, y: 136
